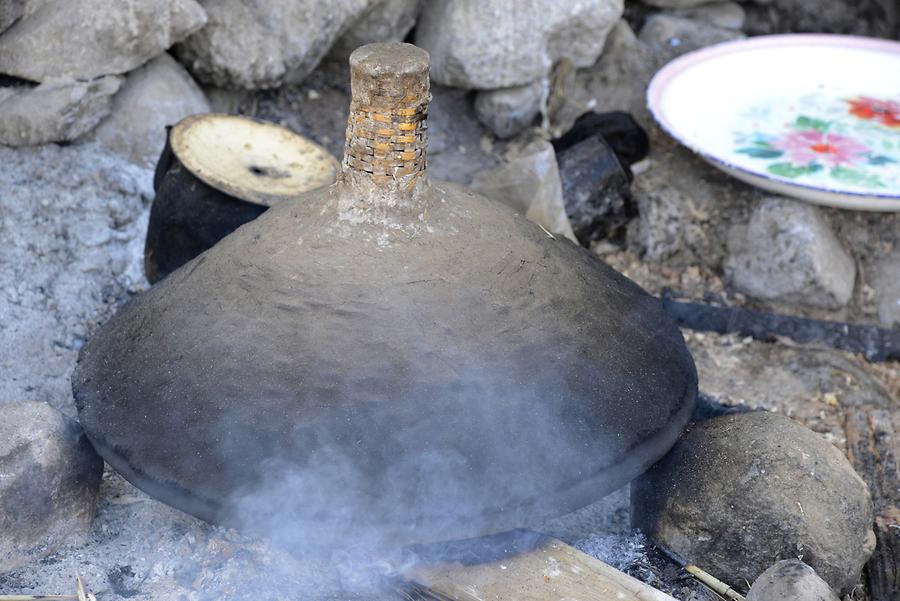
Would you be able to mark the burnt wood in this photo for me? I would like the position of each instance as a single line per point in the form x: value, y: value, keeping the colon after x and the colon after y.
x: 596, y: 190
x: 618, y: 129
x: 874, y: 450
x: 873, y: 342
x: 542, y: 569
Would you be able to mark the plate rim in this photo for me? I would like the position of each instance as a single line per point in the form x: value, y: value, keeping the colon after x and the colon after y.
x: 680, y: 64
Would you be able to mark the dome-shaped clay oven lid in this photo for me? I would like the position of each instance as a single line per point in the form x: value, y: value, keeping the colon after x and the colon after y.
x: 387, y: 360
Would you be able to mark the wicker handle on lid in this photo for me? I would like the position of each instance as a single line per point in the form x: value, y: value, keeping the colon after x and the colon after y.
x: 389, y: 102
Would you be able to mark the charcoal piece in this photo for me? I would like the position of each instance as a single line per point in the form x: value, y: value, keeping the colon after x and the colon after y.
x: 618, y: 129
x: 873, y: 446
x: 595, y: 189
x: 218, y: 172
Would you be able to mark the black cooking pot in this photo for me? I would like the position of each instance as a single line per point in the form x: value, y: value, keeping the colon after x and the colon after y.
x: 210, y: 180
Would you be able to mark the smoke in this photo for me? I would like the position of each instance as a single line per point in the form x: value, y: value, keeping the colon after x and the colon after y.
x: 403, y: 402
x: 381, y: 486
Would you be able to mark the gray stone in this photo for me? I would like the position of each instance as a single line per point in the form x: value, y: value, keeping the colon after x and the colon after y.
x: 878, y: 18
x: 529, y: 182
x: 230, y: 101
x: 384, y: 21
x: 56, y: 111
x: 616, y: 82
x: 668, y: 36
x: 49, y: 484
x: 789, y: 253
x: 674, y: 3
x: 685, y: 207
x: 10, y: 12
x: 61, y: 273
x: 509, y: 111
x: 729, y: 15
x: 458, y: 142
x: 158, y: 94
x: 488, y: 44
x: 887, y: 289
x: 740, y: 491
x: 790, y: 580
x: 90, y: 38
x: 659, y: 232
x: 257, y: 45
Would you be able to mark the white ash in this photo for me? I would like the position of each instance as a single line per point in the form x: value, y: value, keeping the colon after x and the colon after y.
x: 622, y: 552
x: 139, y: 548
x: 72, y: 221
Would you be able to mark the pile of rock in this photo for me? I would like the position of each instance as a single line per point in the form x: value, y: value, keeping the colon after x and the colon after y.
x: 88, y: 70
x: 74, y: 65
x: 773, y: 252
x: 877, y: 18
x: 72, y: 220
x: 507, y: 51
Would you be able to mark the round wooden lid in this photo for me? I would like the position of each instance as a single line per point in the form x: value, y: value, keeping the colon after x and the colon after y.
x: 253, y: 160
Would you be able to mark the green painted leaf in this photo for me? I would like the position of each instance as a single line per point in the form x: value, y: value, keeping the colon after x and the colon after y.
x: 804, y: 122
x: 853, y: 176
x: 880, y: 160
x: 790, y: 170
x: 887, y: 145
x: 761, y: 152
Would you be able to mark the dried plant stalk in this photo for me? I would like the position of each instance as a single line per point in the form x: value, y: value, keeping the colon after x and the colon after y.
x: 38, y: 598
x: 714, y: 583
x: 80, y: 589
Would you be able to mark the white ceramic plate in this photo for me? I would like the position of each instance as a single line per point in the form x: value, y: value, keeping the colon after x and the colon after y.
x: 816, y: 117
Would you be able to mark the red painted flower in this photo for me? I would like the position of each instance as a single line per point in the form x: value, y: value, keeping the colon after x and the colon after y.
x: 886, y: 112
x: 813, y: 146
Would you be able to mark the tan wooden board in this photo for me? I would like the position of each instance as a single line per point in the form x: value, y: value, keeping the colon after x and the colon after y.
x: 551, y: 571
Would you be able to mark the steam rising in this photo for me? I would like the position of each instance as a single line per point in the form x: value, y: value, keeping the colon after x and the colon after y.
x: 369, y: 488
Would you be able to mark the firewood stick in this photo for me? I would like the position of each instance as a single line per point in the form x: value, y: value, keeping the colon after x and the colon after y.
x: 80, y: 595
x: 79, y: 585
x: 38, y: 598
x: 874, y: 450
x: 876, y: 344
x: 550, y: 570
x: 713, y: 583
x: 707, y: 579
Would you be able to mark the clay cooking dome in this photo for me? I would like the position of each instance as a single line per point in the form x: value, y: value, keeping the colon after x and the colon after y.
x: 387, y: 357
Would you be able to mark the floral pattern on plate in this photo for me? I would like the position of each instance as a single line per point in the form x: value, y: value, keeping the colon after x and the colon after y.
x: 826, y: 141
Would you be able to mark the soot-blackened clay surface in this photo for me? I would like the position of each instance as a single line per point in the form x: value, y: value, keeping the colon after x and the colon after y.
x: 388, y: 359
